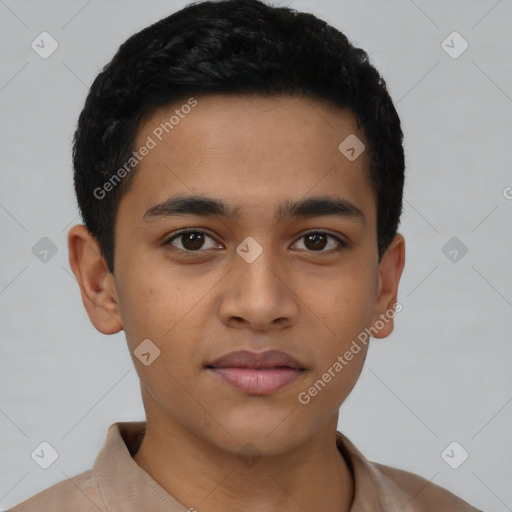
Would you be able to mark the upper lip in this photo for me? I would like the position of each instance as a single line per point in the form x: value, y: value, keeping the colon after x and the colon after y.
x: 248, y: 359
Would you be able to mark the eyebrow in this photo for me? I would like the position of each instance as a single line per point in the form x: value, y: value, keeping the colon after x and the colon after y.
x: 318, y: 206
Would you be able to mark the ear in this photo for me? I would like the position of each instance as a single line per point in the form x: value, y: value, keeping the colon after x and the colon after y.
x: 390, y: 271
x: 96, y: 283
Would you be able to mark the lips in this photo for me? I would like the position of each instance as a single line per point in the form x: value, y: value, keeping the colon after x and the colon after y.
x: 257, y: 360
x: 257, y: 373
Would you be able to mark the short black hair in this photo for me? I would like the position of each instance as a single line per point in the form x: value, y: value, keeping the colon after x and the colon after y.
x: 230, y: 47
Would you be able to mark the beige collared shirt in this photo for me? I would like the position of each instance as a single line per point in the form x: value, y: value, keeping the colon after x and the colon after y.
x: 117, y: 484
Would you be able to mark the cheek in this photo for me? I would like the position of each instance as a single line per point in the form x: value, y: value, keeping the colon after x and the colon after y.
x: 156, y: 307
x: 151, y: 298
x: 343, y: 304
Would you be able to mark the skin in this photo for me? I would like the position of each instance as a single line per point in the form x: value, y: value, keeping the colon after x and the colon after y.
x: 254, y: 153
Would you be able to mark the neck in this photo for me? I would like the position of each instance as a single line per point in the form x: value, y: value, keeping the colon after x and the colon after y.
x: 203, y: 476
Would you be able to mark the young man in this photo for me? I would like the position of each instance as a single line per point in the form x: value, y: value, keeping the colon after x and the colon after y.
x: 239, y: 169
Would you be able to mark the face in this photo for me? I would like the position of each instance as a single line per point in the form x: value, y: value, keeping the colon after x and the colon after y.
x: 304, y: 282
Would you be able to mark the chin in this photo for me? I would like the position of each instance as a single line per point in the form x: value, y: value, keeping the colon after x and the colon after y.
x: 270, y: 436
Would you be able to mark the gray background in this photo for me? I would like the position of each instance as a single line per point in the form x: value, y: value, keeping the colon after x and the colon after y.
x: 445, y: 373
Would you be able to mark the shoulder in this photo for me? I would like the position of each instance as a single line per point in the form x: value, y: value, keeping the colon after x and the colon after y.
x: 413, y: 492
x: 385, y: 488
x: 78, y: 494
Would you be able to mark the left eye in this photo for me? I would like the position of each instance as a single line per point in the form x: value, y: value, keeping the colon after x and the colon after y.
x: 193, y: 241
x: 319, y: 238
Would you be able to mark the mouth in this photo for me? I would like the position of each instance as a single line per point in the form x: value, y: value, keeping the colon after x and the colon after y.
x: 260, y: 381
x: 257, y: 373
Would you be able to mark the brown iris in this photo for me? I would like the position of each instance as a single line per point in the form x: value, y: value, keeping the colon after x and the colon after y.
x: 317, y: 240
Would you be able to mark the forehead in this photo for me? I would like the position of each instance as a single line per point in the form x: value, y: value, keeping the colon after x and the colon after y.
x: 249, y: 152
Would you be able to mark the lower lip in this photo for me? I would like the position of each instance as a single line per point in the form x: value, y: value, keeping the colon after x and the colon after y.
x: 262, y: 381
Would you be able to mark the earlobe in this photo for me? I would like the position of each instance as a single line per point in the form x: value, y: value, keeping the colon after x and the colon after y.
x: 390, y: 271
x: 96, y: 283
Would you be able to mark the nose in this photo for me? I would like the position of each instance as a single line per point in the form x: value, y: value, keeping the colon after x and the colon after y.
x: 260, y: 295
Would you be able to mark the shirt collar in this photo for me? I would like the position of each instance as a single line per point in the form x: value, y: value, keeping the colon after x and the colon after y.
x: 121, y: 481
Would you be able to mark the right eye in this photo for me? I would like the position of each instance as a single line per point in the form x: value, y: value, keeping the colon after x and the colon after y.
x: 191, y: 240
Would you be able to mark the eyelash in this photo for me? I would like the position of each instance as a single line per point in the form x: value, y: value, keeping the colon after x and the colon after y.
x: 342, y: 244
